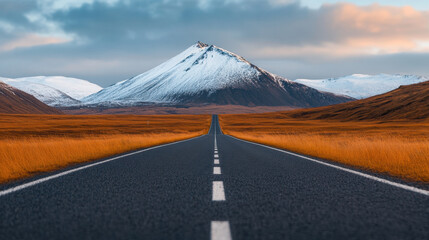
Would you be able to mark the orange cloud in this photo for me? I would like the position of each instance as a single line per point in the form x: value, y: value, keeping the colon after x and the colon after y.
x: 31, y: 40
x: 379, y: 20
x: 356, y: 30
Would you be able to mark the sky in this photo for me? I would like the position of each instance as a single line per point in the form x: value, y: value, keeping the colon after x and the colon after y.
x: 106, y: 41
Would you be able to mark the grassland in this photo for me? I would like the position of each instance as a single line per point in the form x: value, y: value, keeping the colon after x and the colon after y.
x: 398, y: 148
x: 37, y: 143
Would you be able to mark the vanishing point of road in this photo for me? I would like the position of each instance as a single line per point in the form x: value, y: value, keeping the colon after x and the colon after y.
x: 211, y: 187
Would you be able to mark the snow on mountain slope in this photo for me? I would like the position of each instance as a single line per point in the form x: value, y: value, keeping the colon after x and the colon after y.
x: 362, y: 86
x: 46, y: 94
x: 54, y: 91
x: 75, y: 88
x: 209, y: 74
x: 13, y: 101
x: 189, y: 72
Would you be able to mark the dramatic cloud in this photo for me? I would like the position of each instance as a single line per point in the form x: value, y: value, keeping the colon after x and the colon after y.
x: 108, y: 40
x: 380, y: 29
x: 341, y: 30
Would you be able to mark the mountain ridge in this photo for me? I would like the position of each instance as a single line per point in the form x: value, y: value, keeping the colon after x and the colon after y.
x: 207, y: 74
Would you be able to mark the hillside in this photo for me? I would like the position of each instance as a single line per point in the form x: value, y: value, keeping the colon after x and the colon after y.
x: 406, y: 102
x: 13, y: 100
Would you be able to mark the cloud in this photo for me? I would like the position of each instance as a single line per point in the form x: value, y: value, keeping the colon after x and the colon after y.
x: 6, y: 27
x: 51, y: 6
x: 341, y: 30
x: 138, y: 35
x: 31, y: 40
x: 378, y: 29
x: 282, y: 2
x: 29, y: 23
x: 282, y: 27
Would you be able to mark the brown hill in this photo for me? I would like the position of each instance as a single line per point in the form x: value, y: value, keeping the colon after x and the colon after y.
x: 405, y: 102
x: 13, y: 100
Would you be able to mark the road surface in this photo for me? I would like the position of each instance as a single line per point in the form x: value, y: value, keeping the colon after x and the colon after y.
x: 210, y: 187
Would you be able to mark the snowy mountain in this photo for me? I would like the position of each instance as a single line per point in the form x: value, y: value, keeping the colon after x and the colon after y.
x: 54, y: 91
x: 75, y: 88
x: 13, y: 101
x: 208, y: 74
x: 362, y: 86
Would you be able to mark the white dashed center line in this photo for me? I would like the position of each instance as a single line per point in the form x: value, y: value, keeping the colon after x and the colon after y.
x: 218, y: 191
x: 220, y: 230
x: 216, y: 170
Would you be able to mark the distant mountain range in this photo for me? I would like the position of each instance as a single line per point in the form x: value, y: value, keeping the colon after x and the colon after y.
x: 361, y: 86
x: 207, y: 74
x: 14, y: 101
x: 54, y: 90
x: 406, y: 102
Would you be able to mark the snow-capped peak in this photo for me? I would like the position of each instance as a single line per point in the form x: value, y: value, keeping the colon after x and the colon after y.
x: 206, y: 73
x: 223, y: 51
x: 201, y: 44
x: 201, y: 67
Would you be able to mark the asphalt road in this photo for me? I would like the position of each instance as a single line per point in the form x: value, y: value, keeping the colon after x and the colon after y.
x: 180, y: 191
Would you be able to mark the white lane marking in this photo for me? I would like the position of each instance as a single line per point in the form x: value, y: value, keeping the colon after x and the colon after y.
x: 216, y: 161
x: 218, y: 191
x: 215, y: 140
x: 215, y: 125
x: 216, y: 155
x: 215, y: 151
x: 35, y: 182
x: 216, y: 170
x: 220, y: 230
x: 395, y: 184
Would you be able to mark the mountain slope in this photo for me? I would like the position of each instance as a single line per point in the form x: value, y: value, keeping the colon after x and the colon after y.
x: 55, y: 90
x: 75, y: 88
x: 46, y: 94
x: 13, y: 100
x: 362, y: 86
x: 205, y: 74
x: 406, y: 102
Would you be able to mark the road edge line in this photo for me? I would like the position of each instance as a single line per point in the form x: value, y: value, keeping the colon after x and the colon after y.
x: 45, y: 179
x: 382, y: 180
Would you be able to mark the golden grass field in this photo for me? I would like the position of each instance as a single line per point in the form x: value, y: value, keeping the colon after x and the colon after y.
x: 37, y: 143
x: 397, y: 148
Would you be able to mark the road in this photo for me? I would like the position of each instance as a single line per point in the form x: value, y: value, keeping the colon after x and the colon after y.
x: 190, y: 190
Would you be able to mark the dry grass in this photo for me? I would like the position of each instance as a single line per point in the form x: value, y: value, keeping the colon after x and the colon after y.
x: 398, y: 148
x: 17, y: 126
x: 38, y: 143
